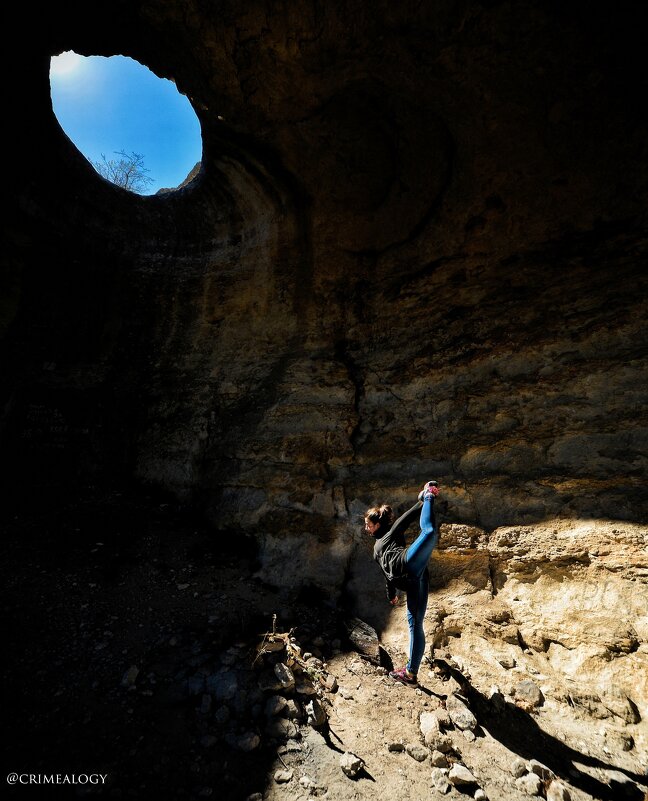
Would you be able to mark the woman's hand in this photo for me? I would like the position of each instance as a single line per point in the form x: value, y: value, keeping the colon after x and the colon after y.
x: 394, y: 601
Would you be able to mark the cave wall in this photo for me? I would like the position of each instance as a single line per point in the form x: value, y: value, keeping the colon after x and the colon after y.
x: 416, y: 247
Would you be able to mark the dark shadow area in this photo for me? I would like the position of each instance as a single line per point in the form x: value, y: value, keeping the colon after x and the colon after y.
x: 427, y: 691
x: 519, y: 732
x: 364, y: 774
x: 385, y: 659
x: 329, y: 735
x: 124, y: 581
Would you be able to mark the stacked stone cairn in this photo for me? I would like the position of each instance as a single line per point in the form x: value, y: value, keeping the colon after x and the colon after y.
x: 295, y: 684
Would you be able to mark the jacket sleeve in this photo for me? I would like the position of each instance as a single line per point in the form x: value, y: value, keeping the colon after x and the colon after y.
x: 406, y: 519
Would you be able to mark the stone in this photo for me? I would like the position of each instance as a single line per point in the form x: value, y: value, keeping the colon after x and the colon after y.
x: 248, y: 742
x: 294, y: 709
x: 283, y: 776
x: 480, y: 795
x: 496, y: 697
x: 530, y: 783
x: 315, y: 713
x: 545, y: 773
x: 275, y: 705
x: 444, y: 744
x: 130, y: 676
x: 443, y: 717
x: 468, y: 735
x: 528, y: 692
x: 330, y: 683
x: 459, y: 713
x: 622, y: 706
x: 439, y: 759
x: 510, y: 634
x: 285, y: 676
x: 205, y: 704
x: 417, y: 751
x: 624, y: 782
x: 429, y: 725
x: 518, y: 768
x: 396, y: 747
x: 223, y: 686
x: 627, y: 742
x: 460, y: 776
x: 557, y: 791
x: 440, y: 780
x: 351, y: 764
x: 507, y: 662
x: 291, y: 747
x: 280, y: 729
x: 364, y: 638
x: 304, y: 686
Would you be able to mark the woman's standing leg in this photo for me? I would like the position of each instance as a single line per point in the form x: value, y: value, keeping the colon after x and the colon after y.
x: 417, y: 598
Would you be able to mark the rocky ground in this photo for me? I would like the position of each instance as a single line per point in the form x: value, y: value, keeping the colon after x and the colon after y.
x: 140, y: 648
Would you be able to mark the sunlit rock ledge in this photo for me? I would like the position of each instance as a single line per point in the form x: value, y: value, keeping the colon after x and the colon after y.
x: 567, y: 598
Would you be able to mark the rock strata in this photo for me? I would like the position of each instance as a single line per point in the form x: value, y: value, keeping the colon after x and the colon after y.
x: 415, y: 247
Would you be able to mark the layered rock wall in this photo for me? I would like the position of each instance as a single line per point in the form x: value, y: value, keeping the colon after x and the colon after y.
x: 563, y: 604
x: 415, y: 247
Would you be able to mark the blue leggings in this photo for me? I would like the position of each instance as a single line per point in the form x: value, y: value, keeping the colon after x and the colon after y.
x: 418, y: 556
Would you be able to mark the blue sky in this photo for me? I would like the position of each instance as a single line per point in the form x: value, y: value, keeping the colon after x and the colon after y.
x: 106, y: 105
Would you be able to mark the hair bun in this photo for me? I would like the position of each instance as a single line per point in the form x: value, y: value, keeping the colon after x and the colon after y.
x: 382, y: 515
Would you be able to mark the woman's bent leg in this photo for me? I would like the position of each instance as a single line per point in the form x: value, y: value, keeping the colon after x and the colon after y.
x: 417, y: 597
x: 419, y: 552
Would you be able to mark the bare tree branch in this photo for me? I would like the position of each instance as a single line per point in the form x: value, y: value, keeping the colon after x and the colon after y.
x: 128, y: 172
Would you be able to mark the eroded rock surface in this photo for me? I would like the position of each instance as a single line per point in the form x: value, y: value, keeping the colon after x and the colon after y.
x: 561, y: 618
x: 415, y: 248
x: 405, y: 255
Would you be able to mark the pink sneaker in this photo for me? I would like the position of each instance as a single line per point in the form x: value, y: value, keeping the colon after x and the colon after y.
x: 430, y: 490
x: 404, y: 676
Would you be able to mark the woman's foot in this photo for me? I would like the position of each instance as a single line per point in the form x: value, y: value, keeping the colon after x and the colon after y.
x: 430, y: 490
x: 404, y: 676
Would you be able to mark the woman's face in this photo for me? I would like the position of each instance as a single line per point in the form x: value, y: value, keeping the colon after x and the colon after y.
x: 370, y: 527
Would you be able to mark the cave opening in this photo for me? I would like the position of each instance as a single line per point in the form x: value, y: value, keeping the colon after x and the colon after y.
x: 136, y: 129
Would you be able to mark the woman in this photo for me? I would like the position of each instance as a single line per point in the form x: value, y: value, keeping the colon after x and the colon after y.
x: 406, y: 568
